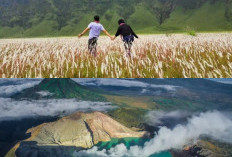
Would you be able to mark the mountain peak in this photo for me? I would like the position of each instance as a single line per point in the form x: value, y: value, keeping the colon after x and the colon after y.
x: 58, y: 89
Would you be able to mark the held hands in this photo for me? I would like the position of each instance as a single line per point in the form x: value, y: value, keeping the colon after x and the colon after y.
x: 112, y: 37
x: 80, y: 35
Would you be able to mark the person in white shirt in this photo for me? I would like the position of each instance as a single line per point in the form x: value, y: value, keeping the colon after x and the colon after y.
x: 94, y: 28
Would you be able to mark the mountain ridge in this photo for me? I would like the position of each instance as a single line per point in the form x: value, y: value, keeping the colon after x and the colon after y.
x: 31, y: 18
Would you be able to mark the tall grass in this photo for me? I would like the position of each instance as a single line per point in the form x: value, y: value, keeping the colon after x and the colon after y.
x: 175, y: 56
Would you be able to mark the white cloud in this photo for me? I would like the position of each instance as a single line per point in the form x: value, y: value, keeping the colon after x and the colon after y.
x: 167, y: 87
x: 8, y: 87
x: 213, y: 124
x: 222, y: 80
x: 154, y: 118
x: 16, y: 80
x: 11, y: 109
x: 226, y: 82
x: 144, y: 91
x: 45, y: 93
x: 122, y: 83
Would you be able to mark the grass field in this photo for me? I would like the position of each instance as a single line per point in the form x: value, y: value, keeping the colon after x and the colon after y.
x: 180, y: 56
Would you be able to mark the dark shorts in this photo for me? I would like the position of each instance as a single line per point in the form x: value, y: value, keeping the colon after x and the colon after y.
x: 92, y: 44
x: 128, y: 41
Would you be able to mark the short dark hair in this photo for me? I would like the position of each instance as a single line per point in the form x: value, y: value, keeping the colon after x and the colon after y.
x: 121, y: 21
x: 96, y: 18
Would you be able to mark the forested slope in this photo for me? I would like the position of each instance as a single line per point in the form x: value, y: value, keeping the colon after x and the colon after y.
x: 20, y: 18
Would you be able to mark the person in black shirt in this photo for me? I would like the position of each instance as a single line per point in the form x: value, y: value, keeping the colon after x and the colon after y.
x: 127, y: 35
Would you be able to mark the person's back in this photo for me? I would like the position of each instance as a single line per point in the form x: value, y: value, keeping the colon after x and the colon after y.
x: 127, y: 34
x: 125, y: 30
x: 95, y: 29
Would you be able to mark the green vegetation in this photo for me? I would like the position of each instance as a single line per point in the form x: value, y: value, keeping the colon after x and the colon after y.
x: 192, y: 33
x: 177, y: 103
x: 30, y: 18
x: 143, y: 102
x: 209, y: 17
x: 130, y: 117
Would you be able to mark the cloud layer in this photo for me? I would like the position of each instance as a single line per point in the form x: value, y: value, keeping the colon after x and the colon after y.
x: 45, y: 93
x: 212, y: 124
x: 155, y: 118
x: 14, y: 110
x: 122, y: 83
x: 8, y: 87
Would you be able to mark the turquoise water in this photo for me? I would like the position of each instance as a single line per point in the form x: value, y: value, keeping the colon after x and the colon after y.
x: 128, y: 143
x: 162, y: 154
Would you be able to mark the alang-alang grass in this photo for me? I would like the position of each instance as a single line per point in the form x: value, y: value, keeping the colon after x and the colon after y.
x: 203, y: 56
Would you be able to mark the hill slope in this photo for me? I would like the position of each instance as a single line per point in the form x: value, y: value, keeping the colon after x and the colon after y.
x: 20, y: 18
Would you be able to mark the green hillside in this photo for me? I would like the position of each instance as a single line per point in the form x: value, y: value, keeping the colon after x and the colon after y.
x: 58, y: 89
x: 30, y: 18
x: 209, y: 17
